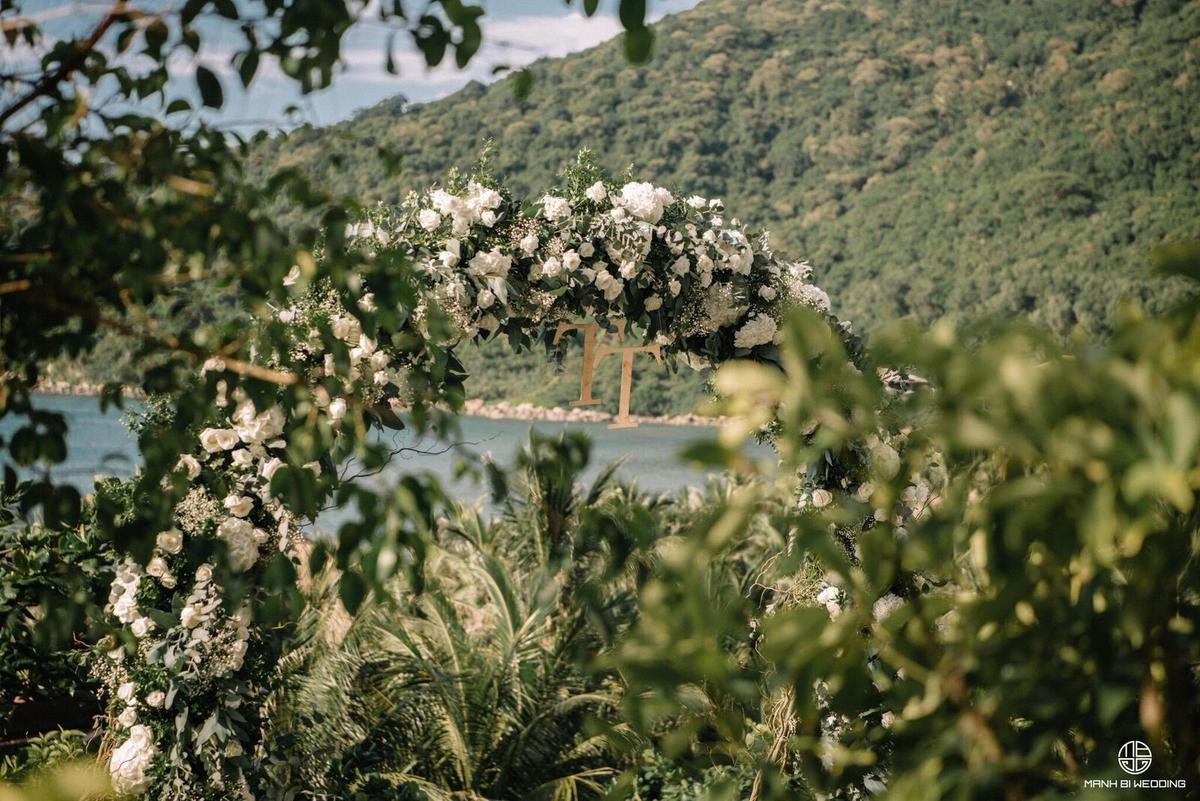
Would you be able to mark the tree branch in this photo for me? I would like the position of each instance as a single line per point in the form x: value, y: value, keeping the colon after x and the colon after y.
x: 68, y: 64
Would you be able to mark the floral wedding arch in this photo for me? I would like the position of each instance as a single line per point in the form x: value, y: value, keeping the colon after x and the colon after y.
x: 186, y: 690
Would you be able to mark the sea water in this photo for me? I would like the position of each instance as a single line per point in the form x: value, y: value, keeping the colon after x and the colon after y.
x: 101, y: 444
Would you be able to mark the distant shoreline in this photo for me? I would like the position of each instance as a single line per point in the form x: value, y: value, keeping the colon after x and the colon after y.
x: 501, y: 410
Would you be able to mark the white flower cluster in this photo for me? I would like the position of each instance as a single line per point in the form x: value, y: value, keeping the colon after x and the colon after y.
x: 477, y: 205
x: 131, y: 759
x: 632, y: 251
x: 207, y: 646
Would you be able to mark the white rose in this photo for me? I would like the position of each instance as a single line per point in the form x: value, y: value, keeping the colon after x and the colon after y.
x: 170, y: 541
x: 614, y: 289
x: 204, y: 574
x: 287, y: 315
x: 529, y: 244
x: 596, y: 192
x: 131, y: 759
x: 485, y: 299
x: 653, y: 303
x: 587, y: 250
x: 215, y: 440
x: 156, y: 699
x: 141, y: 627
x: 429, y: 219
x: 629, y: 269
x: 167, y: 581
x: 488, y: 218
x: 551, y: 267
x: 189, y: 463
x: 674, y: 286
x: 570, y: 260
x: 697, y: 202
x: 293, y: 276
x: 238, y: 505
x: 345, y: 328
x: 156, y: 567
x: 337, y: 409
x: 189, y: 616
x: 681, y: 265
x: 268, y: 468
x: 126, y: 692
x: 767, y: 293
x: 128, y: 717
x: 822, y: 498
x: 242, y: 457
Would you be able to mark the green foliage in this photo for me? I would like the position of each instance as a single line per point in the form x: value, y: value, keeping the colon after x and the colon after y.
x: 52, y: 587
x: 932, y: 159
x: 1026, y: 578
x: 46, y: 752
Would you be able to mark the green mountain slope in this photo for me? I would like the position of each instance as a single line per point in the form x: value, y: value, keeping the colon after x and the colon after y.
x: 932, y: 158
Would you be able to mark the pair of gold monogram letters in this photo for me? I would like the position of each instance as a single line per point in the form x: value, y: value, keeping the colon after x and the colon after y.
x: 593, y: 353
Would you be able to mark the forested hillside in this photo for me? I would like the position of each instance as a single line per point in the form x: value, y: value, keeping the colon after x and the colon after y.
x: 944, y: 158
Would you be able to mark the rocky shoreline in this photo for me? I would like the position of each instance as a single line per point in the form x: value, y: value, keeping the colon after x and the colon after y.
x: 500, y: 410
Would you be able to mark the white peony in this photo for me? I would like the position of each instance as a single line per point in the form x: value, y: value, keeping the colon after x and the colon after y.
x: 489, y: 264
x: 188, y: 463
x: 238, y: 535
x: 555, y: 208
x: 429, y: 219
x: 255, y: 428
x: 130, y: 761
x: 645, y: 201
x: 758, y: 330
x: 215, y: 440
x: 596, y: 192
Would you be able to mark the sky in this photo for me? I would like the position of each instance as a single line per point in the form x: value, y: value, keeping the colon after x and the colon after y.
x: 516, y: 33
